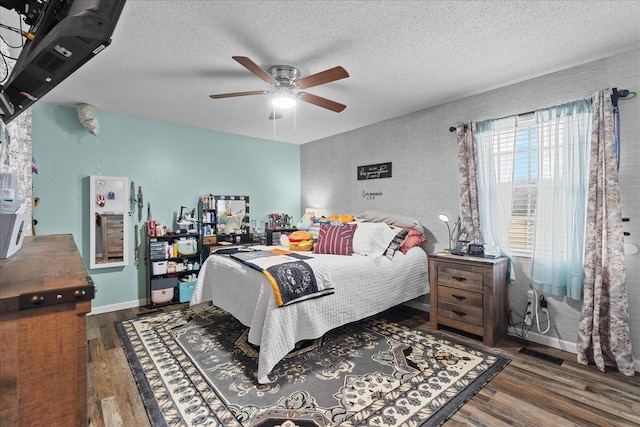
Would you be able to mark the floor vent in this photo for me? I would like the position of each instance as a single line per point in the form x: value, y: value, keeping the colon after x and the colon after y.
x: 542, y: 356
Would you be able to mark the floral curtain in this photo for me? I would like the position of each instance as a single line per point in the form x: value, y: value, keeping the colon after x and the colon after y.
x: 469, y: 211
x: 15, y: 152
x: 603, y: 333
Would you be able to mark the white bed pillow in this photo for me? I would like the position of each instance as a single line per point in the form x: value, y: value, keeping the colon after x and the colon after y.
x: 372, y: 239
x: 392, y: 219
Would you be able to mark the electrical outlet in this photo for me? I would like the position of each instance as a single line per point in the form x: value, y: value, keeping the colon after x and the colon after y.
x: 528, y: 314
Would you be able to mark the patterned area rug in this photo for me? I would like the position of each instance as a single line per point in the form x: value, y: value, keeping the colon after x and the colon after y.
x: 199, y: 370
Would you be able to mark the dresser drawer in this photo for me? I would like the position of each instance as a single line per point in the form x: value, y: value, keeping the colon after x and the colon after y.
x: 460, y: 278
x: 462, y: 313
x: 458, y: 296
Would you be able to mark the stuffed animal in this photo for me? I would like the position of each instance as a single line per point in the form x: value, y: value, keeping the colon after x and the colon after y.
x: 341, y: 219
x: 300, y: 241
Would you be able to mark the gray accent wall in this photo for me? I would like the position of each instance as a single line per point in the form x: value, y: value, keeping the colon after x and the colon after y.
x: 424, y: 182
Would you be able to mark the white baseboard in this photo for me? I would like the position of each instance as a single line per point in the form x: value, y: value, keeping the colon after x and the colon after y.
x: 115, y: 307
x: 552, y: 342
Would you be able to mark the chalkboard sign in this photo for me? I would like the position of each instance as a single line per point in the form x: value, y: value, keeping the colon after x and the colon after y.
x: 380, y: 170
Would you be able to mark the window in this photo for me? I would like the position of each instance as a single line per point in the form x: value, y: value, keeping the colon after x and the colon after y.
x: 528, y: 160
x: 533, y: 175
x: 516, y: 164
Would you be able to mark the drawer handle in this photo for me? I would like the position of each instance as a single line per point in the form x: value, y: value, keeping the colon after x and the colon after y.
x: 459, y: 313
x: 459, y: 278
x: 459, y: 297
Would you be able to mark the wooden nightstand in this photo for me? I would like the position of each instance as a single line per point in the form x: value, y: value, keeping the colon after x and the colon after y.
x: 470, y: 294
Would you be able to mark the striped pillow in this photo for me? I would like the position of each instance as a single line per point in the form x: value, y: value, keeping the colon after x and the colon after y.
x: 335, y: 239
x: 396, y: 243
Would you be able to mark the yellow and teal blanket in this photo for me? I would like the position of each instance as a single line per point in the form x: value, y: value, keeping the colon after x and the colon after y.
x: 291, y: 278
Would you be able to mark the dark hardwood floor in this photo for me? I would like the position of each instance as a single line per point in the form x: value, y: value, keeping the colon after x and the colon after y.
x: 529, y: 392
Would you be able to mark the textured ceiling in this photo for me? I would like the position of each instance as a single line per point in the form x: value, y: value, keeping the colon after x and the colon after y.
x: 167, y: 57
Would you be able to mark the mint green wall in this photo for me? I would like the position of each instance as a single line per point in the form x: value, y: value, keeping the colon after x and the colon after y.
x: 173, y: 164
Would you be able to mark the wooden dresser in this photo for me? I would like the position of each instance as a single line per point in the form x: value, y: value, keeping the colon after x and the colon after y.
x: 45, y: 294
x: 470, y: 294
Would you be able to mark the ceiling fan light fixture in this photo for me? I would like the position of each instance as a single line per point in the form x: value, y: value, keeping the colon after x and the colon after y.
x: 283, y: 100
x: 285, y: 80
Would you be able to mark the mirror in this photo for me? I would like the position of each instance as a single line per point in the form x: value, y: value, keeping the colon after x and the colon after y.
x: 107, y: 224
x: 232, y: 215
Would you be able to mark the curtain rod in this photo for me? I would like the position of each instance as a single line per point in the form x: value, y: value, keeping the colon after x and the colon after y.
x: 453, y: 128
x: 615, y: 95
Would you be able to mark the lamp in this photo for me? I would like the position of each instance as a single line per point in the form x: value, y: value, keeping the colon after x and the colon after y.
x: 283, y: 98
x: 444, y: 218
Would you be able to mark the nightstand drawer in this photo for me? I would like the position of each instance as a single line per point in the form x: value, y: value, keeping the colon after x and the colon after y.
x: 463, y: 297
x: 460, y: 313
x: 460, y: 278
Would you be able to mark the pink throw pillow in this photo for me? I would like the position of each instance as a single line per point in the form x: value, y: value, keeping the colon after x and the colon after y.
x: 414, y: 238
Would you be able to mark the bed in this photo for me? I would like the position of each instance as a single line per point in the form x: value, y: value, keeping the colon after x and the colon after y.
x: 364, y: 284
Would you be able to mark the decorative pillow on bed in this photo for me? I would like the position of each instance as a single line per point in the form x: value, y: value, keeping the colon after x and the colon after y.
x: 335, y: 239
x: 300, y: 241
x: 396, y: 243
x: 414, y: 238
x: 392, y: 219
x: 372, y: 239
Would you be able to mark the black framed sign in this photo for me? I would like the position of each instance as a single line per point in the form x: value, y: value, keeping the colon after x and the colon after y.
x: 380, y: 170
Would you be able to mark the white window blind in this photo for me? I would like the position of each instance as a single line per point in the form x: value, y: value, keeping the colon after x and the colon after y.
x: 516, y: 163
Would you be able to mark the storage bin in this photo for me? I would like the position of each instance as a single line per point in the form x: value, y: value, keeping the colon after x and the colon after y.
x: 187, y: 246
x: 168, y: 282
x: 273, y: 235
x: 185, y: 290
x: 209, y: 240
x: 160, y: 296
x: 159, y: 267
x: 158, y: 250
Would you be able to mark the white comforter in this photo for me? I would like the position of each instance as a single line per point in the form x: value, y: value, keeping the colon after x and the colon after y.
x: 364, y: 286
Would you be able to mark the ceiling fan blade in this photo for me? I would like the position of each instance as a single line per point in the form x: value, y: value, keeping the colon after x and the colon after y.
x: 253, y: 67
x: 232, y: 94
x: 275, y: 114
x: 330, y: 75
x: 322, y: 102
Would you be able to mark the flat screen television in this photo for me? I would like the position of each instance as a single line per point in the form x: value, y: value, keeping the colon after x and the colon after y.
x: 65, y: 35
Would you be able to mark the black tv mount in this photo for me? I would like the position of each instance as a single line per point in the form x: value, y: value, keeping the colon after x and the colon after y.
x: 30, y: 9
x: 65, y: 35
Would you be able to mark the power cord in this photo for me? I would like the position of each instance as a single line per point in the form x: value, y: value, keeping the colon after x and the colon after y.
x: 545, y: 310
x: 520, y: 328
x: 542, y: 308
x: 535, y: 306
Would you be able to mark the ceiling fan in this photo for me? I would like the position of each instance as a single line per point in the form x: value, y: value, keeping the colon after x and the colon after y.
x: 285, y: 80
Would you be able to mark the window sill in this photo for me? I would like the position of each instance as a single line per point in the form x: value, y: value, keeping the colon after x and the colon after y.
x: 521, y: 254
